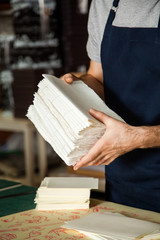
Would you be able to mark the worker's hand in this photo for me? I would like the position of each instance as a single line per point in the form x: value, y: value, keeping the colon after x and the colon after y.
x: 118, y: 139
x: 68, y: 77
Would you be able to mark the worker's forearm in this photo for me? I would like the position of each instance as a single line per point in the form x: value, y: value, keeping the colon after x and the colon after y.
x: 147, y: 136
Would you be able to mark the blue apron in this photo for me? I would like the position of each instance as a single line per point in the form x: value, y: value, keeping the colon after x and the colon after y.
x: 131, y: 67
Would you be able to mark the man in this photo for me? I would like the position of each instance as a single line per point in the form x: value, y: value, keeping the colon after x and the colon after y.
x: 125, y: 57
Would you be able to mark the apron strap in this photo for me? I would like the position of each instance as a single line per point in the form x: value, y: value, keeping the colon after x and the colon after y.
x: 115, y: 3
x: 112, y: 12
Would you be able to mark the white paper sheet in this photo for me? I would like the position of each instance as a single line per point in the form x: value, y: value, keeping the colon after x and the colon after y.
x: 112, y: 225
x: 81, y: 96
x: 70, y: 182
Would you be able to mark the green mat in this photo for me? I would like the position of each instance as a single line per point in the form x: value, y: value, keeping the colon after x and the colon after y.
x: 18, y: 199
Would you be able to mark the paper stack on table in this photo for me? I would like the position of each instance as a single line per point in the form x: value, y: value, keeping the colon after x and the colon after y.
x: 60, y: 112
x: 113, y: 226
x: 65, y: 193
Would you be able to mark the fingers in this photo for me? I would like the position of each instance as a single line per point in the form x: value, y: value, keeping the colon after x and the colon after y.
x: 100, y: 160
x: 91, y: 156
x: 69, y: 78
x: 102, y: 153
x: 105, y: 161
x: 102, y: 117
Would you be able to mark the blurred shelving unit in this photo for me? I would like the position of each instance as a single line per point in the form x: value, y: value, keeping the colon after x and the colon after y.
x: 36, y: 37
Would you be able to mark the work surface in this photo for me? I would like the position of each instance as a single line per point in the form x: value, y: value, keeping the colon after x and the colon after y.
x: 17, y: 223
x: 38, y: 225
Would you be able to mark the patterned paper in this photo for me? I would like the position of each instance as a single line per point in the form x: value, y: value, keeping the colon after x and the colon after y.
x: 36, y: 225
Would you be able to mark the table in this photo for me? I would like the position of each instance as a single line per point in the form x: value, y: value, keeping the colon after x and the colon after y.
x: 26, y: 127
x: 40, y: 225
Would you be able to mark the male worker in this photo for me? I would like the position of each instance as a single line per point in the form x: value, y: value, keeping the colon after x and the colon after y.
x: 124, y: 48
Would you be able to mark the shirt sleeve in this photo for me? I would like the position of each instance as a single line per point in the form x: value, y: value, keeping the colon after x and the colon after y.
x: 98, y: 15
x: 93, y: 46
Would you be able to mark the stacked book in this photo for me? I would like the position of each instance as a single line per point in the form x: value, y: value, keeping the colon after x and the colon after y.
x: 60, y: 112
x: 65, y: 193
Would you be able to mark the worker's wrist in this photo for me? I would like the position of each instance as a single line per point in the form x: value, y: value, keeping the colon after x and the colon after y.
x: 146, y: 137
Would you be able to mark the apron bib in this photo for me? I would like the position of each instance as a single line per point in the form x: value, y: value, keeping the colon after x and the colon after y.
x: 131, y: 67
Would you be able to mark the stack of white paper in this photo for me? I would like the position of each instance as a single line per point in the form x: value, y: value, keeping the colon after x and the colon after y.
x: 114, y: 226
x: 65, y: 193
x: 60, y: 112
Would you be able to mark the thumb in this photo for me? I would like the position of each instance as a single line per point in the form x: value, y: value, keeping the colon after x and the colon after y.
x: 102, y: 117
x: 68, y: 77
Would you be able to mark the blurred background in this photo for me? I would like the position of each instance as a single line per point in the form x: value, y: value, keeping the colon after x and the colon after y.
x: 36, y: 37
